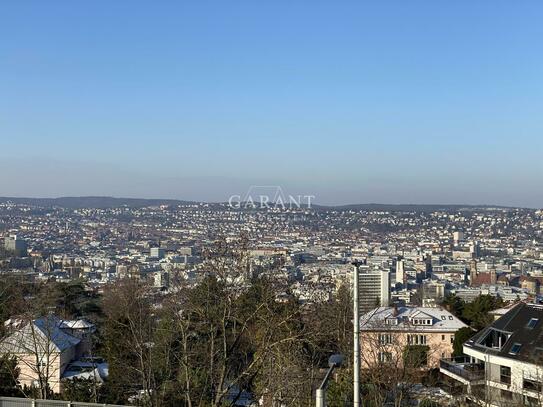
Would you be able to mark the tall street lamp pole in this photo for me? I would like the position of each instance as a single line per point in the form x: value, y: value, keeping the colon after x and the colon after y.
x: 356, y: 341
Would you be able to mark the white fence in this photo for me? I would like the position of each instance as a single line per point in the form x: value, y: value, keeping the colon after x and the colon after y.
x: 20, y: 402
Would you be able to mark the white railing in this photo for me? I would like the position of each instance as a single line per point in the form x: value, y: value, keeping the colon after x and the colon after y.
x: 22, y: 402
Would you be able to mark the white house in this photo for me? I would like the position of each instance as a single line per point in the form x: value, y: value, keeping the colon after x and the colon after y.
x: 502, y: 365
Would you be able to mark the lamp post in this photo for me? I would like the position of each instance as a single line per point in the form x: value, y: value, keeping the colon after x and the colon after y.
x: 356, y: 339
x: 333, y: 362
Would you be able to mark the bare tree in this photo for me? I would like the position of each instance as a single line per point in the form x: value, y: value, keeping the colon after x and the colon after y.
x: 231, y: 329
x: 131, y: 338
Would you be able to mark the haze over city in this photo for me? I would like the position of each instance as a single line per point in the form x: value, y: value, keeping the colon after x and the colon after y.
x: 357, y: 102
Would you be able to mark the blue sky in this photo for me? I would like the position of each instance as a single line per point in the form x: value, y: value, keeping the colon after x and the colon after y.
x: 350, y: 101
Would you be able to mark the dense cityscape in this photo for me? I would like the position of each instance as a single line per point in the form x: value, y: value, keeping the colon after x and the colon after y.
x: 430, y: 279
x: 465, y: 251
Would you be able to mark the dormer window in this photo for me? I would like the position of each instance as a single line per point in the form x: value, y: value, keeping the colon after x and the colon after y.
x: 420, y: 321
x: 515, y: 349
x: 494, y: 339
x: 532, y: 323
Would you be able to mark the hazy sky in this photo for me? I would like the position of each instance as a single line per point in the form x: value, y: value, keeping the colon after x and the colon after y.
x: 350, y: 101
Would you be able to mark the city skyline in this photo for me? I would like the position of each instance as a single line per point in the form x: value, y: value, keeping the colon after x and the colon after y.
x: 352, y: 103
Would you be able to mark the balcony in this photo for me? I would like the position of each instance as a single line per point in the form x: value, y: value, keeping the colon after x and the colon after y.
x: 461, y: 368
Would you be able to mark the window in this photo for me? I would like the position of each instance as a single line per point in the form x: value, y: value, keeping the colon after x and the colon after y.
x: 385, y: 339
x: 450, y: 317
x: 494, y: 339
x: 391, y: 321
x: 442, y: 337
x: 532, y: 323
x: 443, y: 317
x: 42, y: 364
x: 505, y: 374
x: 422, y: 322
x: 532, y: 385
x: 416, y: 339
x: 515, y: 349
x: 385, y: 357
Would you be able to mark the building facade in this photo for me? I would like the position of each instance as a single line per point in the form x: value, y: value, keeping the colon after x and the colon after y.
x: 503, y: 363
x: 388, y: 334
x: 373, y: 288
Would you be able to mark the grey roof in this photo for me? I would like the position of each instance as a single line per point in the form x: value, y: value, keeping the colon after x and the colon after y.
x: 515, y: 325
x: 76, y: 324
x: 45, y: 334
x: 442, y: 320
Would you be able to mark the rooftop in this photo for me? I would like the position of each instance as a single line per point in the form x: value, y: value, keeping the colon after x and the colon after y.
x: 411, y: 318
x: 518, y: 334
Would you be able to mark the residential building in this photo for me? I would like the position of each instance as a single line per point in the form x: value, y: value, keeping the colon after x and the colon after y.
x: 45, y: 349
x: 502, y: 365
x: 387, y: 333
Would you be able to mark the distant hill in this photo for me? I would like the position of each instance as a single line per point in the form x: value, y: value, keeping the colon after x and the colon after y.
x: 98, y: 202
x: 409, y: 207
x: 102, y: 202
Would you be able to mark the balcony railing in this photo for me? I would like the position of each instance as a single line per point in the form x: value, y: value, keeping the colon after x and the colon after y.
x: 463, y: 367
x: 22, y: 402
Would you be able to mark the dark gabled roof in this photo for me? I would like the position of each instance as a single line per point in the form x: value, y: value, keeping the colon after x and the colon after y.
x: 515, y: 324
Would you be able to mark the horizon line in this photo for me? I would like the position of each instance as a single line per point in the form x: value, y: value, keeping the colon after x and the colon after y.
x: 480, y: 205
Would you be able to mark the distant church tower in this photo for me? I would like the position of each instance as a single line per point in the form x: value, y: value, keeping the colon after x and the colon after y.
x: 473, y: 271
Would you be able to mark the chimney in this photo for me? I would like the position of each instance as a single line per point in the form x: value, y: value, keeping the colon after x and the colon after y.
x: 395, y: 311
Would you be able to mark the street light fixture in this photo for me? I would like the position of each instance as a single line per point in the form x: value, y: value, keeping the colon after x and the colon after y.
x: 333, y: 362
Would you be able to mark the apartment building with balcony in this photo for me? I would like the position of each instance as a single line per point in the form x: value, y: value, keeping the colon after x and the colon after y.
x: 503, y: 363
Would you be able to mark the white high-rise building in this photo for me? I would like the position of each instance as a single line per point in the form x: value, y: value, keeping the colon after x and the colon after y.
x: 15, y: 245
x: 373, y: 289
x: 400, y: 271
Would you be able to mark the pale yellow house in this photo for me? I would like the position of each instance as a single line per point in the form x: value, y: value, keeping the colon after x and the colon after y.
x: 389, y: 334
x: 44, y: 348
